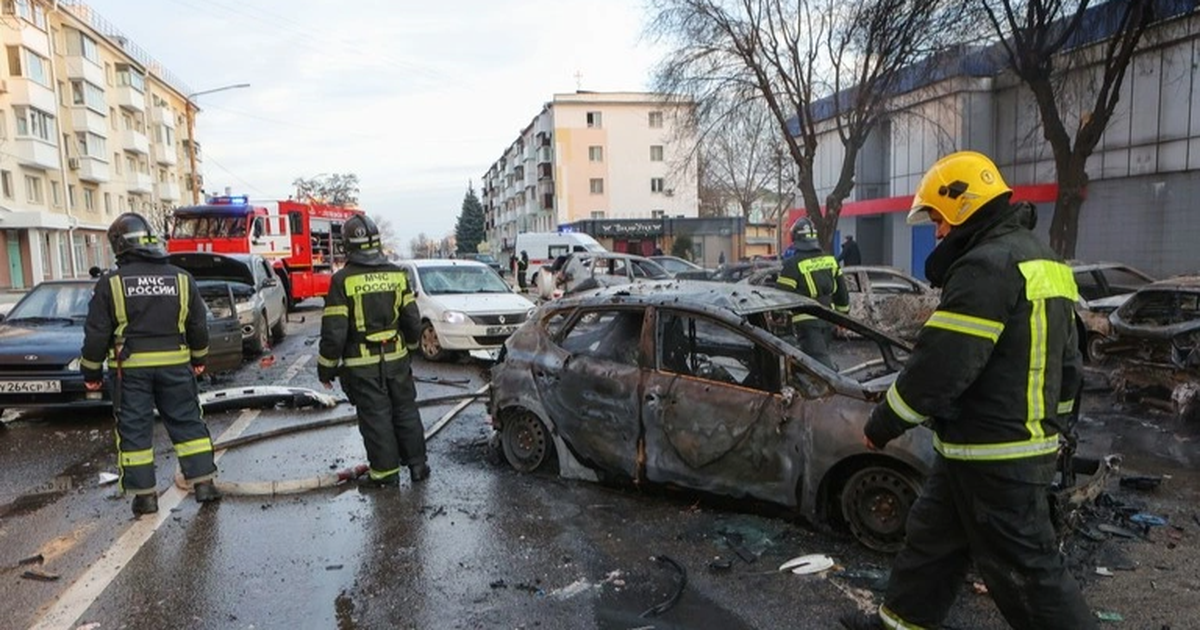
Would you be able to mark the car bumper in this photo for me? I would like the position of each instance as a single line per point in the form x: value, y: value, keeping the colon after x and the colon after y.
x: 71, y: 395
x: 473, y: 336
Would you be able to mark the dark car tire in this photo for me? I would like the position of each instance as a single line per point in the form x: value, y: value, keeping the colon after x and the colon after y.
x: 261, y: 341
x: 279, y: 330
x: 875, y: 505
x: 526, y: 442
x: 431, y: 347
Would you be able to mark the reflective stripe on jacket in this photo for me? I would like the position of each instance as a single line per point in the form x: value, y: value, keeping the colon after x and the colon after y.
x: 370, y: 316
x: 815, y: 274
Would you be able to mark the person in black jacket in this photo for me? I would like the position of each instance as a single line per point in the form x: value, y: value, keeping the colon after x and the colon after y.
x: 147, y: 319
x: 850, y: 255
x: 809, y: 271
x: 994, y: 372
x: 369, y: 326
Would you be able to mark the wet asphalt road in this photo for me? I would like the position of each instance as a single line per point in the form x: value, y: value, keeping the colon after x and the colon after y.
x: 478, y: 545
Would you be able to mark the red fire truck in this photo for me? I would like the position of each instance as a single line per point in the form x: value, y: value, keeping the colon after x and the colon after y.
x: 303, y: 240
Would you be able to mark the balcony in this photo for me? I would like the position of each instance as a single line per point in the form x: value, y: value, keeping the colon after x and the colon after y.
x: 139, y: 183
x: 167, y: 191
x: 545, y: 171
x: 129, y: 98
x: 84, y: 119
x: 90, y: 169
x: 162, y: 116
x: 545, y: 155
x: 164, y: 154
x: 26, y: 35
x: 31, y: 93
x: 35, y: 153
x: 79, y: 67
x: 135, y: 141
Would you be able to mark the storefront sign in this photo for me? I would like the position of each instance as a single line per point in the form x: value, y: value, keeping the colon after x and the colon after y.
x: 629, y: 228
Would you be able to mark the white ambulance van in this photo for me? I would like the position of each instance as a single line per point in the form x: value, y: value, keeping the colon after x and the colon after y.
x: 544, y: 247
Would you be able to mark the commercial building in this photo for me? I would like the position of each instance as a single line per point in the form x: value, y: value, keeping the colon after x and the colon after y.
x: 591, y: 156
x: 91, y: 126
x: 1144, y: 174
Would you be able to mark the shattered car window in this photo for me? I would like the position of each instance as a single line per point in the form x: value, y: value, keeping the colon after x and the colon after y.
x: 1161, y: 308
x: 609, y: 335
x: 698, y: 347
x: 1089, y: 286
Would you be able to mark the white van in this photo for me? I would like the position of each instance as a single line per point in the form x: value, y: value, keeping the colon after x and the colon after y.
x: 544, y: 247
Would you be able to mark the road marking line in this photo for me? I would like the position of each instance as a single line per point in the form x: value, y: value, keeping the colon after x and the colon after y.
x: 80, y: 596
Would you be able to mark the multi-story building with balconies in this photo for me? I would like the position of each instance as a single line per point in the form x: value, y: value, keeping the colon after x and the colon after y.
x: 90, y: 127
x: 593, y: 155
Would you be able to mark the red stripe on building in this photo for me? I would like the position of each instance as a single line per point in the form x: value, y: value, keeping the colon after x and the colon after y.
x: 1036, y: 193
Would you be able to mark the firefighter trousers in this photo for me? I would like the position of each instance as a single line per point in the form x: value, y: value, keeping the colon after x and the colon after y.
x: 385, y: 398
x: 998, y: 514
x: 173, y: 391
x: 813, y: 337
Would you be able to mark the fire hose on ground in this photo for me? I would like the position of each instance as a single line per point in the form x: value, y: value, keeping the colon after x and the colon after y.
x: 330, y: 479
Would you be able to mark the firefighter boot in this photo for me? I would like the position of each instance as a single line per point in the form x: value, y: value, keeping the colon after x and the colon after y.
x: 145, y: 504
x: 861, y: 621
x: 418, y: 472
x: 206, y: 491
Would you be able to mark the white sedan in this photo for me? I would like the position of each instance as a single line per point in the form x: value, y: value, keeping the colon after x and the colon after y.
x: 465, y: 306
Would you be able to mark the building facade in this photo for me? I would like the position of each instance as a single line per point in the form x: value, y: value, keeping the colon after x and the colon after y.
x: 1144, y: 174
x: 91, y: 126
x: 594, y: 156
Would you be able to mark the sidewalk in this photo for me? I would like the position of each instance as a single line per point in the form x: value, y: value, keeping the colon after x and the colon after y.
x: 8, y: 299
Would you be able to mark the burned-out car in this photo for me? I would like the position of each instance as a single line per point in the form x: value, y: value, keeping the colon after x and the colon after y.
x: 1103, y: 288
x: 584, y: 271
x: 697, y: 385
x: 1156, y: 344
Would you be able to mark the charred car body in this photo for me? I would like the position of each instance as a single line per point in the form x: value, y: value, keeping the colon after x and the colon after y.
x: 1103, y: 288
x: 584, y: 271
x: 696, y: 384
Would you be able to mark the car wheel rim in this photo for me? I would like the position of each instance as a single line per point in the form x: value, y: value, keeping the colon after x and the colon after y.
x: 1096, y: 348
x: 525, y: 442
x: 876, y: 505
x: 429, y: 342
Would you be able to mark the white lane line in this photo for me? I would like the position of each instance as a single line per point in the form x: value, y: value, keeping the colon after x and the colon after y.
x: 84, y: 591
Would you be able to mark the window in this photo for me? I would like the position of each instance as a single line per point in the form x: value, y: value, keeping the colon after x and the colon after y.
x: 56, y: 194
x: 3, y: 126
x: 596, y: 184
x: 23, y: 62
x: 116, y: 162
x: 33, y: 190
x: 89, y: 198
x: 28, y: 10
x: 593, y: 120
x: 121, y: 203
x: 6, y: 184
x: 597, y: 214
x: 34, y: 122
x: 657, y: 184
x: 606, y: 335
x: 595, y: 154
x: 131, y: 162
x: 702, y: 348
x: 108, y: 76
x: 128, y: 76
x: 107, y: 203
x: 1122, y: 281
x: 80, y: 45
x: 656, y: 120
x: 91, y: 145
x: 658, y: 214
x: 84, y: 93
x: 71, y: 196
x: 81, y: 254
x: 656, y: 153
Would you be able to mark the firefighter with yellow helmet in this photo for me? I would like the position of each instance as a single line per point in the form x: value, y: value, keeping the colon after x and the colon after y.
x: 994, y: 372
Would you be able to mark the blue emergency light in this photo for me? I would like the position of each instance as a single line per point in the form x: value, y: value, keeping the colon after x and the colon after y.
x: 229, y: 200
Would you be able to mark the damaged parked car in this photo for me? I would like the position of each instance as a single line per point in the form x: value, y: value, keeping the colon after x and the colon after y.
x: 1103, y: 288
x: 259, y: 298
x: 699, y: 385
x: 583, y: 271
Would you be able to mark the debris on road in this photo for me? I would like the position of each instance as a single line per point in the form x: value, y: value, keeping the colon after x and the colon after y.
x: 107, y: 478
x: 1103, y: 615
x: 1116, y: 530
x: 1141, y: 482
x: 1152, y: 520
x: 40, y: 575
x: 37, y: 559
x: 1105, y: 571
x: 264, y: 397
x: 680, y: 584
x: 808, y: 564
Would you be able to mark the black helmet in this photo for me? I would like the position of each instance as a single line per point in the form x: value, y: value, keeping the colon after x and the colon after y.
x: 360, y: 239
x: 131, y: 233
x: 803, y: 229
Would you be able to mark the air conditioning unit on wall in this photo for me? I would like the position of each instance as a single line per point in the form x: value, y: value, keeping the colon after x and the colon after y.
x: 73, y: 164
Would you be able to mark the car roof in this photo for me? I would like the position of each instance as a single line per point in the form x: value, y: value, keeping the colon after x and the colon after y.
x: 443, y: 262
x: 1079, y: 265
x: 1183, y: 283
x: 739, y: 299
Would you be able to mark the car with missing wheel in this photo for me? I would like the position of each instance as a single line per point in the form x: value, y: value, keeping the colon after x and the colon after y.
x: 700, y: 385
x: 465, y: 307
x: 259, y: 298
x: 41, y: 338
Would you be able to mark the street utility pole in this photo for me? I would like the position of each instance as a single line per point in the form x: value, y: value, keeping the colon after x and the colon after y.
x: 191, y: 109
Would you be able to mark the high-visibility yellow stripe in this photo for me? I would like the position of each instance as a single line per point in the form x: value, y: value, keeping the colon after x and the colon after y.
x: 91, y: 365
x: 966, y: 324
x: 787, y: 282
x: 893, y: 621
x: 202, y: 352
x: 1045, y: 279
x: 1044, y: 445
x: 400, y: 353
x: 810, y: 283
x: 382, y: 336
x: 335, y: 311
x: 381, y: 474
x: 137, y: 458
x: 184, y: 298
x: 326, y: 362
x: 841, y: 309
x: 360, y: 318
x: 408, y: 299
x: 1065, y: 407
x: 1035, y: 396
x: 902, y: 408
x: 802, y: 317
x: 163, y: 358
x: 118, y: 294
x: 194, y: 447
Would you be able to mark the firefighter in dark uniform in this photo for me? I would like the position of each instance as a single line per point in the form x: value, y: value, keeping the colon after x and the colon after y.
x: 993, y: 370
x: 811, y: 272
x: 148, y: 320
x: 369, y: 326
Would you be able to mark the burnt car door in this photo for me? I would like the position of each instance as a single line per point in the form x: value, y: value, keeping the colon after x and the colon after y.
x: 589, y: 384
x: 712, y: 409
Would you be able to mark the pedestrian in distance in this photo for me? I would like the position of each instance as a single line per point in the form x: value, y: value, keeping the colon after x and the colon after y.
x: 147, y: 319
x: 721, y: 258
x: 812, y: 273
x: 369, y: 327
x: 522, y: 269
x: 995, y: 372
x: 850, y: 256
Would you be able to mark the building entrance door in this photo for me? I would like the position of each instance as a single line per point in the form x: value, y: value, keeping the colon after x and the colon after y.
x: 16, y: 271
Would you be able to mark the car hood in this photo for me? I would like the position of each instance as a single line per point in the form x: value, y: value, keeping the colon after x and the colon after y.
x: 206, y: 266
x: 49, y: 344
x: 481, y: 302
x: 1108, y: 303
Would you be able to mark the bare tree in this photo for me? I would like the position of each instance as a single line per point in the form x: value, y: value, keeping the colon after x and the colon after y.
x: 1034, y: 34
x: 335, y: 189
x: 816, y: 66
x: 387, y: 234
x: 743, y: 164
x: 422, y: 246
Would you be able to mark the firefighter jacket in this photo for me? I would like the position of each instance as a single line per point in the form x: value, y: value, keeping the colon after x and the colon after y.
x: 370, y: 317
x: 998, y: 362
x: 811, y: 272
x: 146, y: 313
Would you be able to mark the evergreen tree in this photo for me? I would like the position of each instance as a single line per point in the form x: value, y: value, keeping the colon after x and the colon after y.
x: 469, y: 228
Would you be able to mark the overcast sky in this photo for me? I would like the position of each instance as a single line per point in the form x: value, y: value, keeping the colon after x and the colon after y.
x: 417, y: 98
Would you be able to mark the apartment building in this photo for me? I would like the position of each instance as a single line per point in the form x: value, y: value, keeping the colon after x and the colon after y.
x: 594, y: 156
x: 90, y: 127
x: 1144, y: 174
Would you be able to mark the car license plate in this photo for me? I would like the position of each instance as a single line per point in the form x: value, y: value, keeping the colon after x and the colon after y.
x: 493, y: 331
x: 30, y: 387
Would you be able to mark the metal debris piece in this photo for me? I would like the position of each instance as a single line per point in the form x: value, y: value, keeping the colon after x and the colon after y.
x: 680, y: 584
x: 809, y: 564
x: 1105, y: 571
x: 264, y: 396
x: 107, y: 478
x: 720, y: 565
x: 40, y: 575
x: 1141, y: 482
x: 1103, y: 615
x: 38, y: 559
x: 1142, y: 518
x: 1115, y: 530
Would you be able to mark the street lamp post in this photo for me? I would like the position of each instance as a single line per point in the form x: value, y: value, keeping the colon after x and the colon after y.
x: 191, y: 123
